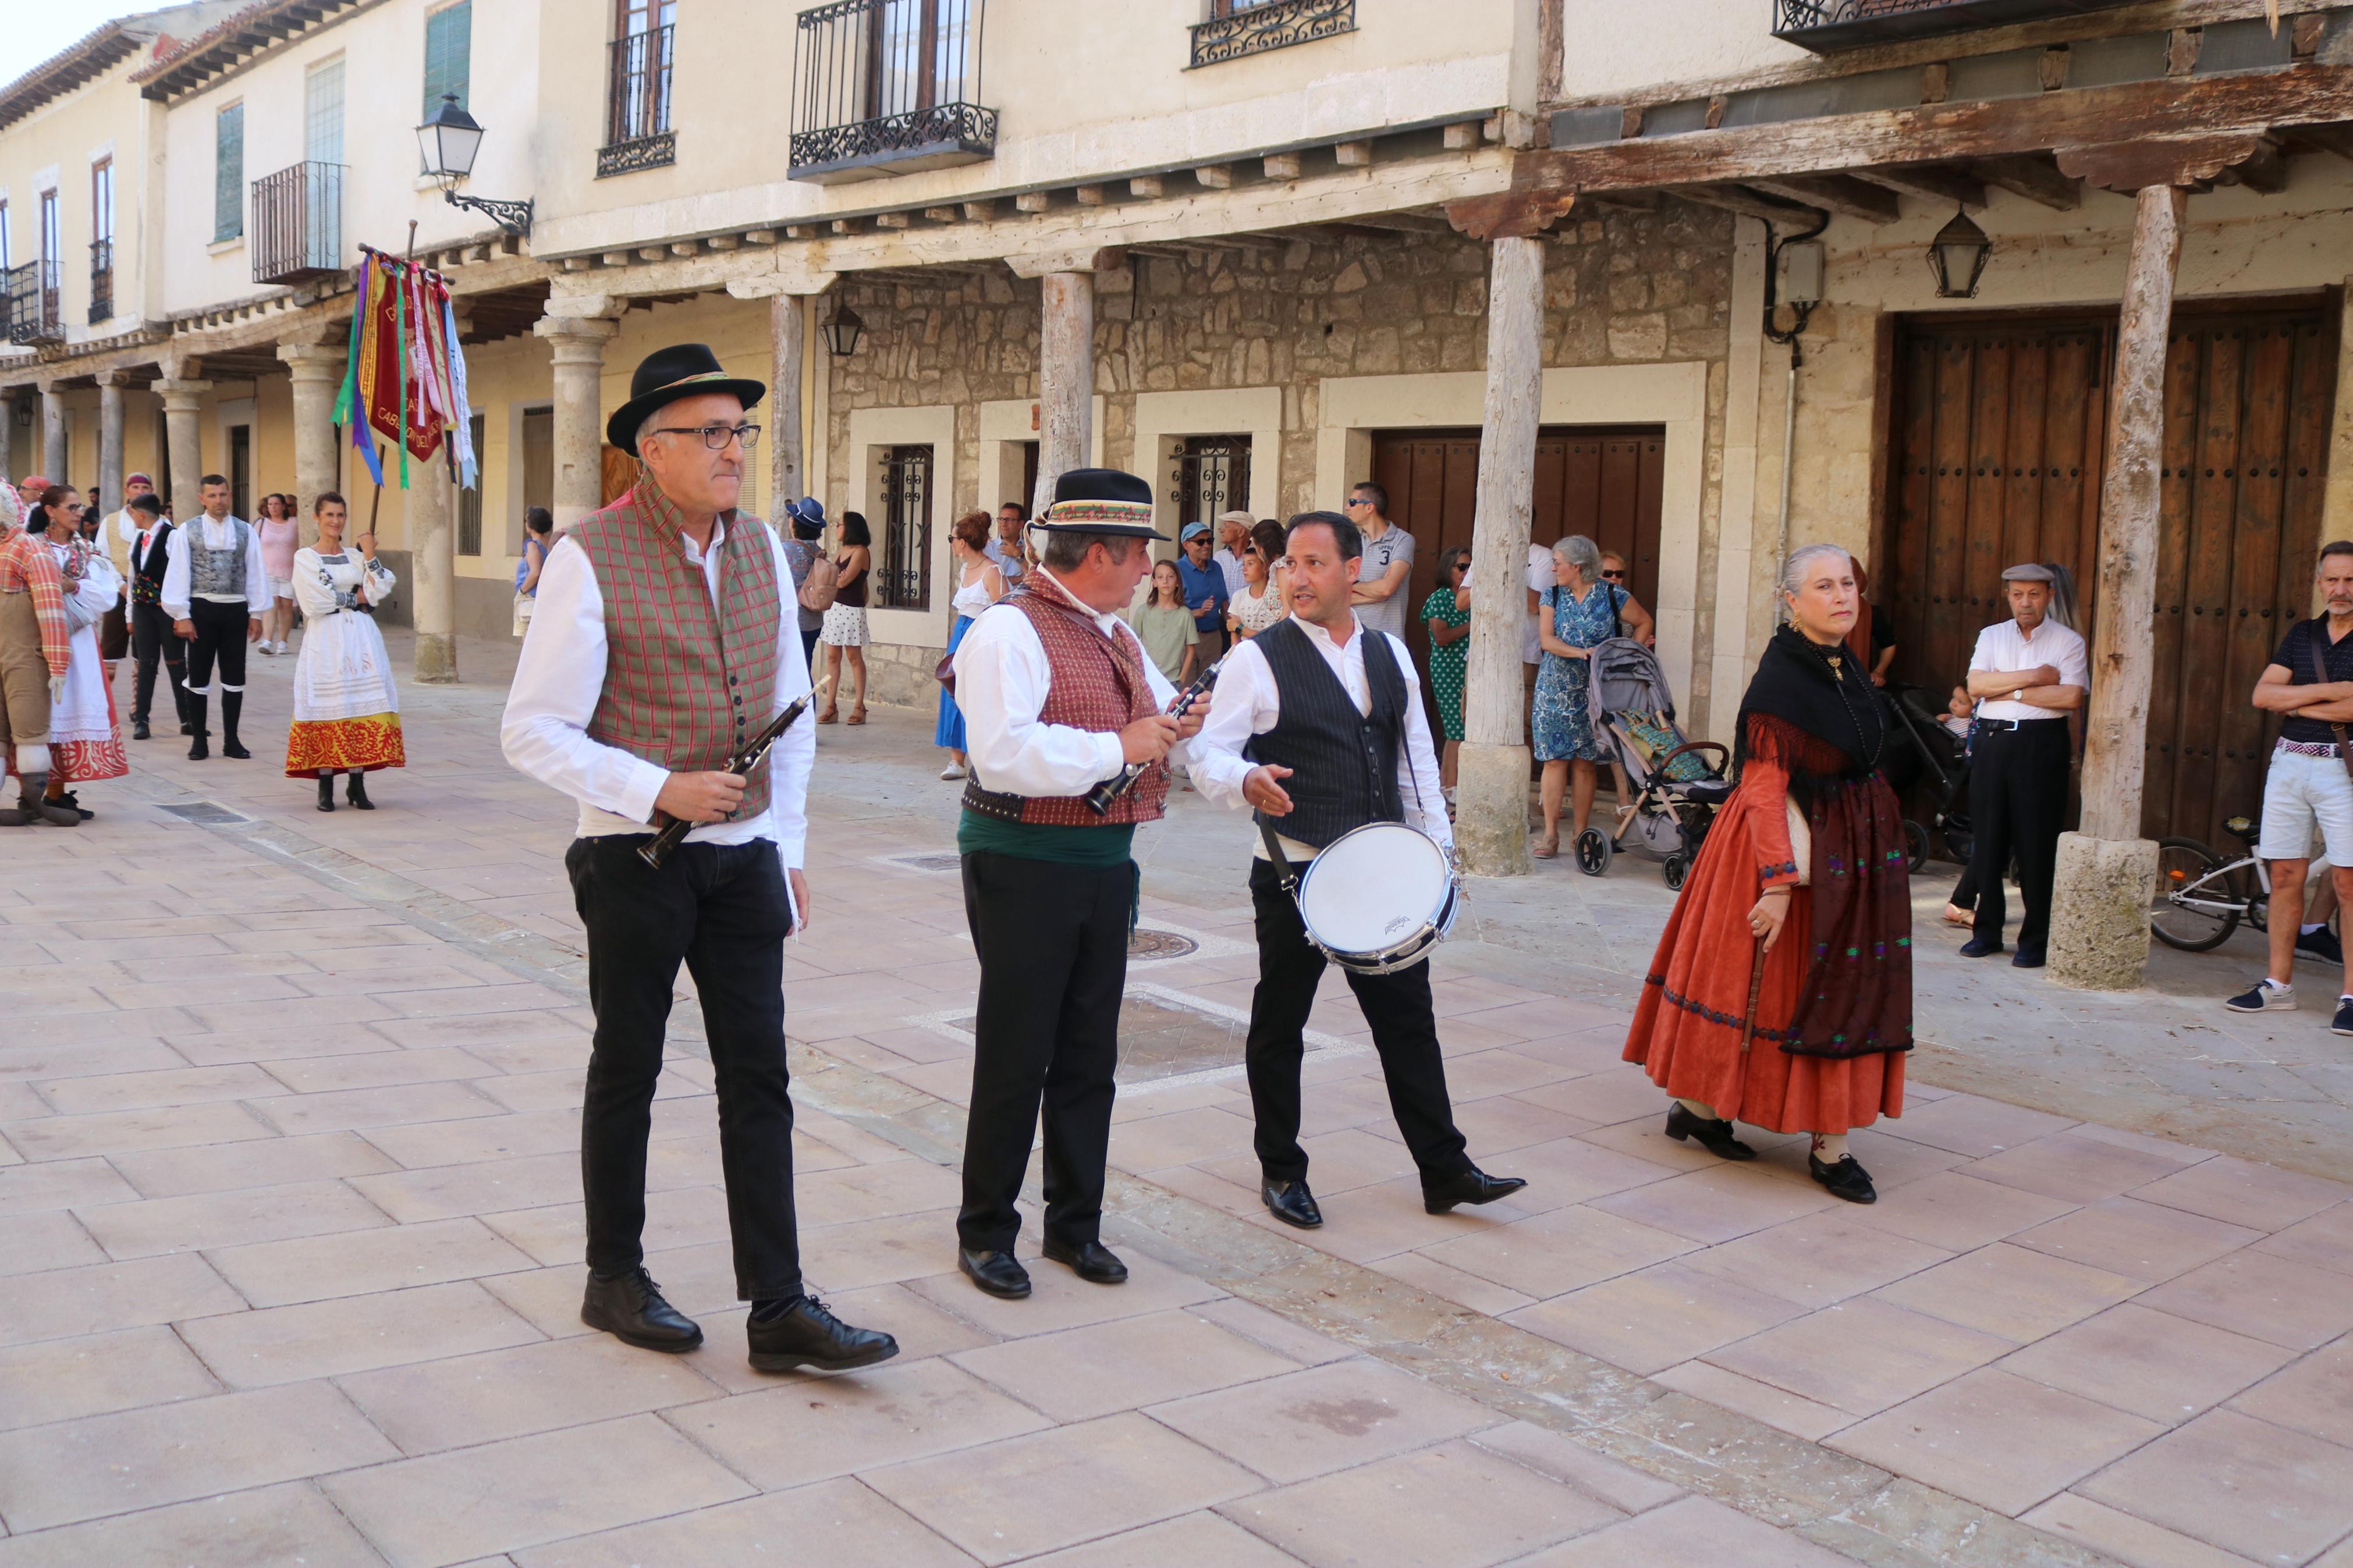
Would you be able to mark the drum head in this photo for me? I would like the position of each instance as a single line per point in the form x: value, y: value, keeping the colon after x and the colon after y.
x: 1372, y: 888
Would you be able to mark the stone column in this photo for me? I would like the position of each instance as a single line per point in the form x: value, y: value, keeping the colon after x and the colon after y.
x: 53, y: 434
x: 9, y: 470
x: 432, y: 570
x: 577, y: 344
x: 787, y: 479
x: 1491, y: 792
x: 184, y: 401
x: 109, y: 438
x: 1065, y: 358
x: 317, y: 372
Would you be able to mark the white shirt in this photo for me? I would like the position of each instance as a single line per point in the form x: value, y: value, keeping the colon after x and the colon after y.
x: 561, y: 675
x: 1229, y: 562
x: 221, y: 535
x: 2002, y: 645
x: 1246, y: 704
x: 1001, y: 677
x: 1540, y: 577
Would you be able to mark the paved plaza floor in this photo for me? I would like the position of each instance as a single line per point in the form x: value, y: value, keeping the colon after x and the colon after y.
x: 290, y: 1231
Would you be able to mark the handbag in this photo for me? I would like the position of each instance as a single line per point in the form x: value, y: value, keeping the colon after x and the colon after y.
x: 2320, y: 677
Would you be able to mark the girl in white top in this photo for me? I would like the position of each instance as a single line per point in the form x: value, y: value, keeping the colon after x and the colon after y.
x: 1259, y: 604
x: 979, y: 583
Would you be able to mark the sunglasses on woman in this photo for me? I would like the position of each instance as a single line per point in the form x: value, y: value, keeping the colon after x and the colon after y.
x: 1617, y: 576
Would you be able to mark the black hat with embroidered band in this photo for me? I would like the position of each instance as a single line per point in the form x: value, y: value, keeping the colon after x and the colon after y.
x: 665, y: 375
x: 1099, y: 500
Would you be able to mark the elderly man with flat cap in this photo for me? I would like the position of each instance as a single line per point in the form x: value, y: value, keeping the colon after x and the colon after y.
x: 1058, y: 696
x: 664, y: 635
x: 2027, y: 674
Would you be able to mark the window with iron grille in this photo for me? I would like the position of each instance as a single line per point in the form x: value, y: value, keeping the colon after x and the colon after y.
x: 7, y: 260
x: 1207, y: 475
x: 53, y: 245
x: 102, y: 241
x: 228, y: 172
x: 469, y: 501
x: 903, y: 579
x: 885, y: 87
x: 449, y: 52
x: 637, y: 133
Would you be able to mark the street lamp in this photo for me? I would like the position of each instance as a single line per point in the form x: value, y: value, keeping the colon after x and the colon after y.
x: 448, y: 140
x: 843, y: 330
x: 1957, y: 256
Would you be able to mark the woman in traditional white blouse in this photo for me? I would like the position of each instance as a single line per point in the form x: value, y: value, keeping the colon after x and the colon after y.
x: 346, y: 709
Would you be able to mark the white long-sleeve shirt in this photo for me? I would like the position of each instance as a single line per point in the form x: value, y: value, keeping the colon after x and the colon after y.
x: 561, y: 676
x: 221, y: 535
x: 1002, y: 673
x: 1247, y: 703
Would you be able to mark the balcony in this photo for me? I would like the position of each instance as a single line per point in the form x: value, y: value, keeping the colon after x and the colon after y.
x: 1253, y: 27
x: 637, y: 133
x: 32, y: 314
x: 101, y: 281
x: 297, y: 234
x: 888, y: 86
x: 1826, y: 25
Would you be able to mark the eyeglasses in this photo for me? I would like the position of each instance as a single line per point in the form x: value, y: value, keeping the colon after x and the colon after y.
x: 1356, y: 500
x: 715, y: 437
x: 1617, y: 576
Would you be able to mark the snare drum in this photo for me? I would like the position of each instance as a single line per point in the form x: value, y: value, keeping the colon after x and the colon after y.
x: 1379, y: 898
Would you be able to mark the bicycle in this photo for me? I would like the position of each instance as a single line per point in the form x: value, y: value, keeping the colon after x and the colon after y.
x: 2200, y: 898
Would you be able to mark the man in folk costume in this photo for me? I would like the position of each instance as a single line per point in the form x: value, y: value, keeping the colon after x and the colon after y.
x: 1058, y: 696
x: 663, y: 639
x: 36, y: 652
x: 215, y: 591
x: 1324, y: 700
x: 152, y: 638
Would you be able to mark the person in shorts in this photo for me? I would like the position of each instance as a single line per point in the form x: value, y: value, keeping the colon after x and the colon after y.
x: 2308, y: 789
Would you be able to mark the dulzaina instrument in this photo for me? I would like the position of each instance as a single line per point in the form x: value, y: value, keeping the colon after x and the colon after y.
x: 1098, y: 798
x: 1376, y: 899
x: 741, y: 763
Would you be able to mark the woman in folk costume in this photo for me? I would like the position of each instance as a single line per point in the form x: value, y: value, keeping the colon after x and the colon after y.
x: 85, y: 741
x: 1781, y: 992
x: 36, y: 656
x: 346, y: 709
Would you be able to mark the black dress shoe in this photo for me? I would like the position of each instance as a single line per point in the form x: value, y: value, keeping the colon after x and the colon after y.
x: 999, y: 1273
x: 1715, y: 1136
x: 1981, y: 947
x: 139, y: 731
x: 232, y: 749
x: 630, y: 1307
x: 806, y: 1333
x: 1469, y: 1185
x: 1847, y: 1179
x: 1090, y: 1260
x: 1291, y: 1202
x: 2027, y: 958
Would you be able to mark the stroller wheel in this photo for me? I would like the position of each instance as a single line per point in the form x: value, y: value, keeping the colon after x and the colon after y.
x: 1916, y: 845
x: 1677, y: 868
x: 1594, y: 852
x: 1958, y: 843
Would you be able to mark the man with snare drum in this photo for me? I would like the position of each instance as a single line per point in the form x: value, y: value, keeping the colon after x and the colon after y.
x: 1318, y: 724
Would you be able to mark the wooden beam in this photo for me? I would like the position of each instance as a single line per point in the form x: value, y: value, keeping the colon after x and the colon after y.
x: 945, y: 215
x: 2033, y: 177
x: 2265, y: 170
x: 1216, y: 176
x: 1280, y: 165
x: 1848, y: 197
x: 980, y: 211
x: 1462, y: 136
x: 1930, y: 182
x: 1089, y: 195
x: 1031, y: 202
x: 1144, y: 186
x: 1752, y: 203
x: 2182, y: 160
x: 1624, y: 201
x: 1404, y: 222
x: 2337, y: 139
x: 1352, y: 154
x: 723, y: 242
x: 893, y: 220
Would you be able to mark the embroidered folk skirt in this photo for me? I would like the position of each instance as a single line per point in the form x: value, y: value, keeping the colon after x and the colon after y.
x: 1687, y: 1028
x: 346, y: 709
x: 85, y: 737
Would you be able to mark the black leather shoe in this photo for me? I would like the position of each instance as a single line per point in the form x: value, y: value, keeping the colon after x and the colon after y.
x: 1090, y: 1260
x: 999, y: 1273
x: 1847, y: 1179
x: 1469, y: 1185
x: 2027, y: 958
x: 1715, y: 1136
x: 230, y: 748
x: 807, y: 1334
x: 1291, y: 1202
x: 1981, y: 947
x: 139, y: 731
x: 630, y: 1307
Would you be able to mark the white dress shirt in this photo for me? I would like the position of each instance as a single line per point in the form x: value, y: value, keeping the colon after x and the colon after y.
x: 1540, y: 577
x: 2002, y: 646
x: 221, y: 535
x: 1001, y: 677
x: 1246, y: 704
x: 561, y: 675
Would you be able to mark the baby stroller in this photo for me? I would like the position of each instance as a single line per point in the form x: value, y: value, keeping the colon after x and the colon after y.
x: 1923, y: 752
x: 1677, y: 787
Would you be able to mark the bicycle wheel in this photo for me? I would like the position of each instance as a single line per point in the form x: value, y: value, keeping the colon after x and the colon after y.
x: 1916, y: 845
x: 2195, y: 907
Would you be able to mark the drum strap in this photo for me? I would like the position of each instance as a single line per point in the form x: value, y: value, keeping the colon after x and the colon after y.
x: 1282, y: 867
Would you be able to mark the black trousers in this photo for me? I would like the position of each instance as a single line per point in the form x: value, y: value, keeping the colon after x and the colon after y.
x: 1053, y: 940
x: 220, y: 637
x: 1405, y: 1033
x: 2018, y: 803
x: 152, y: 639
x: 721, y: 910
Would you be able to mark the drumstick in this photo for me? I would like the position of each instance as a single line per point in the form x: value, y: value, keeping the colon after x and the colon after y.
x: 1755, y: 984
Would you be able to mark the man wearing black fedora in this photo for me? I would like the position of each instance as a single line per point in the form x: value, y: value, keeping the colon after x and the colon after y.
x: 1058, y: 696
x: 664, y: 635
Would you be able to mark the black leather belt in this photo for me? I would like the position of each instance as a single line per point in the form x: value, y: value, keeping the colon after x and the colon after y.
x: 1985, y: 724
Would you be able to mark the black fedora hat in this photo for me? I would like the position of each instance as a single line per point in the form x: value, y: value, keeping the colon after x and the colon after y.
x: 1101, y: 500
x: 665, y: 375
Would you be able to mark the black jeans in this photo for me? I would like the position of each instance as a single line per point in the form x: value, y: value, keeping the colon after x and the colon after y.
x: 1053, y: 940
x: 2018, y: 805
x: 152, y: 639
x: 722, y: 909
x: 1405, y: 1033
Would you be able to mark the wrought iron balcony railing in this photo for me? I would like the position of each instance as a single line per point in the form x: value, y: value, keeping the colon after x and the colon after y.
x: 297, y: 232
x: 33, y: 314
x: 1827, y: 25
x: 1253, y: 27
x: 101, y: 281
x: 637, y: 132
x: 888, y: 86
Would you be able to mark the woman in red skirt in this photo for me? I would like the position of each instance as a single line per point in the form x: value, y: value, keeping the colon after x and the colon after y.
x: 1781, y: 992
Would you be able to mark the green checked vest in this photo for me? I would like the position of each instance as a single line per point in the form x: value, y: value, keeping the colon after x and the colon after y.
x: 686, y: 681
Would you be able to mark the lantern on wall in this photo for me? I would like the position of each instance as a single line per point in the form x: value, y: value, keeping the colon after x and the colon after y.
x: 448, y: 140
x: 843, y: 330
x: 1957, y: 256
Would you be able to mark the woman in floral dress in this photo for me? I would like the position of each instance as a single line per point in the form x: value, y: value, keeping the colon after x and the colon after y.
x: 1582, y: 611
x: 1446, y: 615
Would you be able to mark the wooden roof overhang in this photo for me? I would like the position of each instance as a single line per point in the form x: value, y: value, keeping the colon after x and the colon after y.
x: 85, y: 60
x: 222, y: 49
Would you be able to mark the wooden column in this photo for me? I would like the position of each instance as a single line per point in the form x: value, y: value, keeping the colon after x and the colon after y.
x: 787, y: 479
x: 576, y: 344
x: 1066, y: 379
x: 2336, y: 507
x: 109, y: 438
x: 316, y: 370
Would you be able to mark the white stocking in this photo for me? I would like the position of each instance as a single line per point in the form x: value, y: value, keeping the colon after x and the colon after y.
x: 1699, y: 1108
x: 1829, y: 1148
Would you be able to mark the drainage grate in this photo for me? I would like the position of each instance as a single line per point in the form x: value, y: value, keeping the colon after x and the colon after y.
x: 1145, y: 943
x: 927, y: 862
x: 203, y: 811
x: 1157, y: 1040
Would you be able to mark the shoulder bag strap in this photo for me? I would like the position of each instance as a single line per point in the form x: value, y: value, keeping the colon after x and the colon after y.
x: 2320, y: 677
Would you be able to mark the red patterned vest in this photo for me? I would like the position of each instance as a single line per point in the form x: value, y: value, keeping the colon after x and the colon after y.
x: 1098, y: 684
x: 686, y: 680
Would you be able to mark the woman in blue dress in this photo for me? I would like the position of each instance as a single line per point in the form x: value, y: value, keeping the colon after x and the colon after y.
x: 979, y: 583
x: 1583, y: 611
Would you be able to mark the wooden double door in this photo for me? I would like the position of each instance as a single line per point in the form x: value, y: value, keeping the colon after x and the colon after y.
x: 1998, y: 434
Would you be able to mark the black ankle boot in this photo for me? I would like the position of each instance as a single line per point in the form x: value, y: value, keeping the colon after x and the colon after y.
x: 326, y: 789
x: 232, y: 705
x: 197, y: 750
x: 357, y: 791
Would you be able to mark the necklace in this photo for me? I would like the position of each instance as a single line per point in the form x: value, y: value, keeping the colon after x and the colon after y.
x: 1837, y: 666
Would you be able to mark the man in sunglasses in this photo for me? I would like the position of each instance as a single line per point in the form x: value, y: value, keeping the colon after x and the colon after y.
x: 663, y: 637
